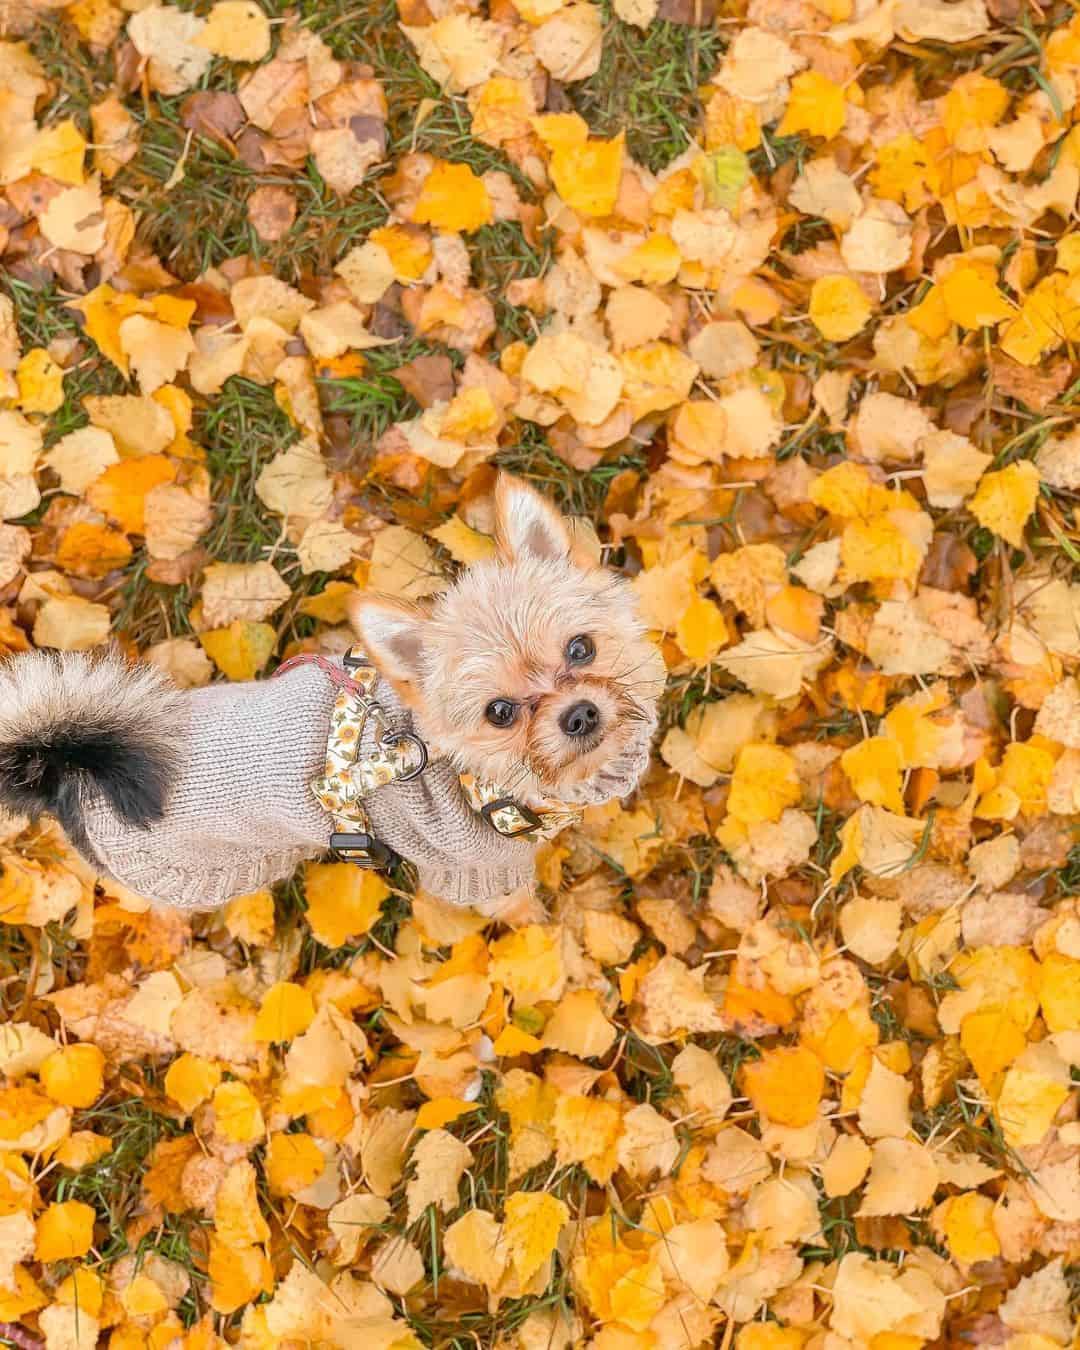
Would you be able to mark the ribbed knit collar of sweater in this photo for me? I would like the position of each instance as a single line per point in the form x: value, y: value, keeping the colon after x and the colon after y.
x: 241, y: 813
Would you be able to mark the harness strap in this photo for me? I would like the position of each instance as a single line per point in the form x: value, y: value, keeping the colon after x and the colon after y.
x: 395, y: 757
x: 512, y: 818
x: 346, y: 778
x: 339, y: 678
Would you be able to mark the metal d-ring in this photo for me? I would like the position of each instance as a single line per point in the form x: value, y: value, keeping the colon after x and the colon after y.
x: 395, y: 738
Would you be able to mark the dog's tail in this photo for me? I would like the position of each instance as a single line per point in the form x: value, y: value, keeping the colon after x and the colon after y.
x: 74, y: 726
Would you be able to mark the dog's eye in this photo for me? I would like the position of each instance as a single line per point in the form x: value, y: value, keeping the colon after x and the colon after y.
x: 580, y: 650
x: 500, y: 712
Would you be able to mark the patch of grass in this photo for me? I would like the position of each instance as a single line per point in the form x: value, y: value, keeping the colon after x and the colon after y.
x: 173, y: 1241
x: 42, y: 317
x: 79, y: 76
x: 501, y: 254
x: 1068, y: 877
x: 921, y: 1234
x: 776, y: 150
x: 1072, y: 1281
x: 15, y: 958
x: 812, y: 440
x: 806, y: 233
x: 394, y: 912
x: 685, y: 693
x: 838, y: 724
x: 202, y: 219
x: 829, y: 824
x: 577, y: 493
x: 26, y: 951
x: 732, y: 1052
x: 113, y: 1184
x: 41, y: 313
x: 883, y: 1012
x: 971, y: 1127
x: 327, y: 225
x: 981, y: 542
x: 290, y: 906
x: 241, y: 431
x: 374, y: 400
x: 1026, y: 443
x: 1021, y: 64
x: 838, y: 1236
x: 372, y: 34
x: 148, y: 612
x: 649, y: 1076
x: 647, y: 85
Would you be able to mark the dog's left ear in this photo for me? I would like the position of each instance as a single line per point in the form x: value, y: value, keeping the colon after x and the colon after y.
x: 392, y: 634
x: 526, y: 524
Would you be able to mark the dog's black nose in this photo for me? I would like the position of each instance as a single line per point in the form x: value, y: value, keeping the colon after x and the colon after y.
x: 580, y: 720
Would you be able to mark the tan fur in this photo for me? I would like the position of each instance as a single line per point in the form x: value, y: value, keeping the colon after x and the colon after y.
x: 501, y: 631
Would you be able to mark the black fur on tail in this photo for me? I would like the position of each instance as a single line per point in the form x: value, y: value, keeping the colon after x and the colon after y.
x: 74, y: 728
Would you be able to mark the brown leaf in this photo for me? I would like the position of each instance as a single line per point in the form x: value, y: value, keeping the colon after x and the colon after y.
x: 162, y: 1178
x: 260, y: 151
x: 1030, y: 385
x: 33, y: 193
x: 388, y: 319
x: 115, y: 135
x: 255, y: 148
x: 367, y: 128
x: 211, y: 303
x: 949, y: 564
x: 689, y: 13
x: 272, y: 88
x: 1046, y: 846
x: 883, y: 1234
x: 176, y: 571
x: 272, y: 211
x: 214, y: 114
x: 415, y: 13
x: 428, y: 379
x: 127, y: 64
x: 9, y: 1331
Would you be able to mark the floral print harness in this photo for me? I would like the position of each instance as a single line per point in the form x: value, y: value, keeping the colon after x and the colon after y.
x: 396, y: 757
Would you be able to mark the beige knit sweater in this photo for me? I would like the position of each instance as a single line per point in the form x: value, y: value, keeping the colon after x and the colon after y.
x: 240, y: 813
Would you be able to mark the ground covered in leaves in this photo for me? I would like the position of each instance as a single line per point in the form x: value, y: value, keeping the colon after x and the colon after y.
x: 781, y: 299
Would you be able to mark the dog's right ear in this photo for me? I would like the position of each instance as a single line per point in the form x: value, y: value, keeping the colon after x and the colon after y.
x: 392, y: 634
x: 526, y: 524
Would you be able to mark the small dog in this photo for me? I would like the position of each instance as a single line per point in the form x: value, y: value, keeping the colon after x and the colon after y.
x: 529, y: 679
x: 533, y: 669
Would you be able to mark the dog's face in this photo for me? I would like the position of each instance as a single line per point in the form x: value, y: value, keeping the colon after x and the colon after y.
x: 533, y: 669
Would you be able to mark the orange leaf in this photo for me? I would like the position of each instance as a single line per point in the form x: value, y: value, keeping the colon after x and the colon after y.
x: 785, y: 1084
x: 120, y: 492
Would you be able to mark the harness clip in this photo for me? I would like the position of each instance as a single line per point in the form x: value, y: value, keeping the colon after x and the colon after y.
x: 362, y: 849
